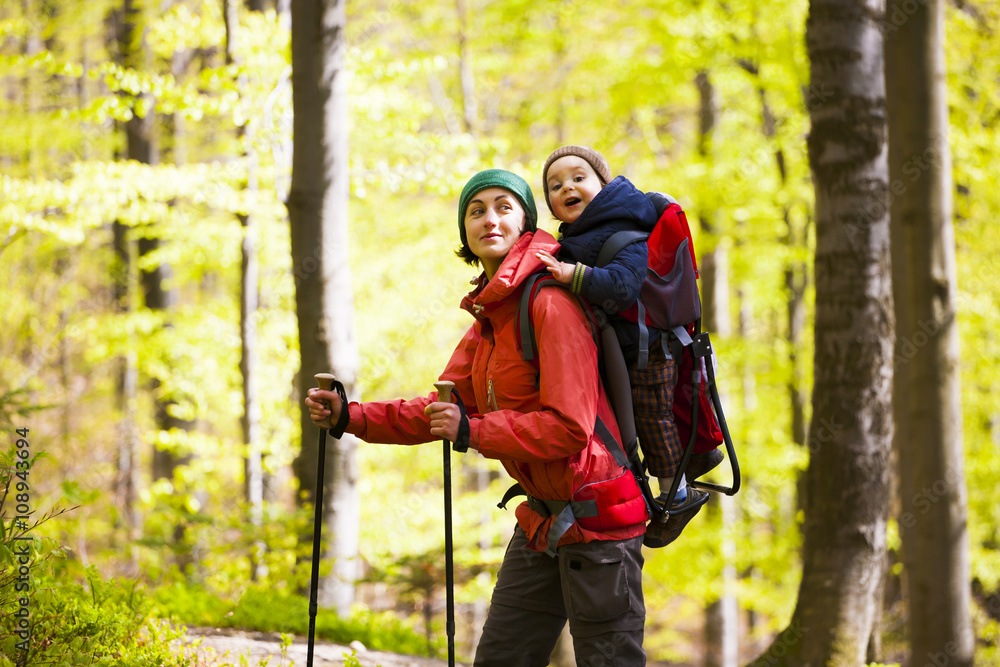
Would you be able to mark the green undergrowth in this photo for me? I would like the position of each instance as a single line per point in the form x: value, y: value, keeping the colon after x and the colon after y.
x: 96, y: 623
x: 269, y: 610
x: 48, y: 617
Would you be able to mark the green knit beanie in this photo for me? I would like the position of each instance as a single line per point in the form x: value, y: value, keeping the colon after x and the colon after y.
x: 498, y: 178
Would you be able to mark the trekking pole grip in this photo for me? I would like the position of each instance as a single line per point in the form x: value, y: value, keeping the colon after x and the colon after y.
x: 444, y: 388
x: 325, y: 382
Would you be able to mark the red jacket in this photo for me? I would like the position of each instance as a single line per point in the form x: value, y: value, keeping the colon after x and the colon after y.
x: 544, y: 436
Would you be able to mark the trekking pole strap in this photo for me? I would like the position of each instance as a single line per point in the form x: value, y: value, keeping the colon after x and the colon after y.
x: 345, y: 414
x: 461, y: 443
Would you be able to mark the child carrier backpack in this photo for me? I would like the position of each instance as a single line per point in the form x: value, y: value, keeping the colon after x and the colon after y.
x: 669, y: 301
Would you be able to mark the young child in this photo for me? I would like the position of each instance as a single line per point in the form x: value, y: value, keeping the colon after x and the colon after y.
x: 591, y: 207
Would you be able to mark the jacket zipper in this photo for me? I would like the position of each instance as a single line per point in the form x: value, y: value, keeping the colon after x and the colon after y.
x: 491, y: 397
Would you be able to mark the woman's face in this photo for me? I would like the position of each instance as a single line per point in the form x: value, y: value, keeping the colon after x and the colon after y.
x: 494, y: 220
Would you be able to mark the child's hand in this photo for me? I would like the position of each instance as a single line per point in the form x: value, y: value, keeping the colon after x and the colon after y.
x: 562, y: 271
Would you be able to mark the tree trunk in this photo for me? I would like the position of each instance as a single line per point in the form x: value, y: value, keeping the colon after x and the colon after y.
x: 139, y: 130
x: 721, y: 614
x: 253, y: 468
x: 33, y: 45
x: 847, y: 482
x: 933, y: 509
x: 317, y: 207
x: 129, y: 475
x: 139, y: 146
x: 158, y: 295
x: 796, y: 281
x: 128, y: 478
x: 713, y: 264
x: 469, y: 104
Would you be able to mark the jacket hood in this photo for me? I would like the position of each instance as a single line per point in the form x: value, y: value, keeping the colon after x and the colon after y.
x: 519, y: 263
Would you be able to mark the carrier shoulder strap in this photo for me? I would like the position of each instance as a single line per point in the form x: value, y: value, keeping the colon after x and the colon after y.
x: 626, y: 453
x: 525, y: 324
x: 617, y: 242
x: 614, y: 245
x: 529, y: 346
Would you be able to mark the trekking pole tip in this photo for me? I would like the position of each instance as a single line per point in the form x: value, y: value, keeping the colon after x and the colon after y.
x: 325, y: 382
x: 444, y: 388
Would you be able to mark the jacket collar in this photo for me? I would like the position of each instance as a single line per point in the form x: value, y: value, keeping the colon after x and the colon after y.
x: 519, y: 263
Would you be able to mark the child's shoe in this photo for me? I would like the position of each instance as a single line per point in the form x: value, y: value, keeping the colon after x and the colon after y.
x: 681, y: 512
x: 701, y: 463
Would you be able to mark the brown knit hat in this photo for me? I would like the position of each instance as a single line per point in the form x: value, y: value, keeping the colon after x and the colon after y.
x: 595, y: 159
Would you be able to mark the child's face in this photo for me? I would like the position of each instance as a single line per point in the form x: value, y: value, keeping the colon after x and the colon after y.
x: 572, y: 184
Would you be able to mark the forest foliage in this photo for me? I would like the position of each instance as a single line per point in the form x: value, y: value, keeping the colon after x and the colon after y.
x: 621, y: 77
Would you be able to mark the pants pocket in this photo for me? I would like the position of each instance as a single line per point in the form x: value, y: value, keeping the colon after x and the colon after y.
x: 596, y: 587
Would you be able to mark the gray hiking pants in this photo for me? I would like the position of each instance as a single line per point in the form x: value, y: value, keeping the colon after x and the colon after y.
x: 597, y: 586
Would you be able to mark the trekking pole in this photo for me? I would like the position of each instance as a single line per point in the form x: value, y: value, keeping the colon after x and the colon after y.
x: 328, y: 382
x: 444, y: 395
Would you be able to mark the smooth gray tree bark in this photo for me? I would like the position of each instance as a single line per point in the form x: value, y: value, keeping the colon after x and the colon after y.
x: 317, y: 207
x: 253, y: 459
x: 934, y: 505
x: 847, y: 484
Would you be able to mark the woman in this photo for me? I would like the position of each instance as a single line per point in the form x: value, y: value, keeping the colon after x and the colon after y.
x: 551, y: 426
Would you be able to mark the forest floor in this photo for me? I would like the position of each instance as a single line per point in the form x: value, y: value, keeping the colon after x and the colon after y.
x: 218, y: 647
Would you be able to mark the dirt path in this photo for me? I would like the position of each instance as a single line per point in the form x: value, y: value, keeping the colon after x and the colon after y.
x: 225, y: 647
